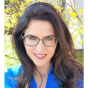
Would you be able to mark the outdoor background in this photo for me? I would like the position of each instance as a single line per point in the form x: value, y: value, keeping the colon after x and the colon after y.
x: 72, y: 12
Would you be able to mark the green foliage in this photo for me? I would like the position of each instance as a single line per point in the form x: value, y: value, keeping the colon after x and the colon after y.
x: 8, y: 49
x: 10, y: 56
x: 80, y: 58
x: 6, y: 3
x: 9, y: 62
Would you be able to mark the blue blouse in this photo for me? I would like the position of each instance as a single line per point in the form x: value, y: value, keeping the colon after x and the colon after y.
x: 13, y: 73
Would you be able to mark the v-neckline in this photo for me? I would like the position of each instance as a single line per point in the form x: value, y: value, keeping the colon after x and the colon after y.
x: 51, y: 83
x: 33, y: 82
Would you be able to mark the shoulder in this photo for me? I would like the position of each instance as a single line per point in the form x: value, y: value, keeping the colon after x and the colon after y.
x: 11, y: 73
x: 80, y: 82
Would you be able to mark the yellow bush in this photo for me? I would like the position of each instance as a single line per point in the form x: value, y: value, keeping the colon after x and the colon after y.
x: 68, y: 14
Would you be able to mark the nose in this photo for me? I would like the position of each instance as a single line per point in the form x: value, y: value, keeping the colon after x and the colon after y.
x: 40, y: 47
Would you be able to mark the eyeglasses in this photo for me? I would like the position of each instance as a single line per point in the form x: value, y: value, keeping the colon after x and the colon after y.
x: 31, y: 40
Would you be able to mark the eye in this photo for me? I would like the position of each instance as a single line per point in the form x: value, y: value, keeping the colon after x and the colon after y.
x: 32, y: 38
x: 48, y: 39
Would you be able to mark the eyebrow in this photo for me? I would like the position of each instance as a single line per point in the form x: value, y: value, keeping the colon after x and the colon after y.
x: 37, y: 37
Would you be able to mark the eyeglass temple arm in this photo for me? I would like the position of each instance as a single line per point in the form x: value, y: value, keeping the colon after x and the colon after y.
x: 22, y: 36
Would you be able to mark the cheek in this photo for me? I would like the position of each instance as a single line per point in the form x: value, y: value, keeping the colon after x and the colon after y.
x: 29, y: 49
x: 51, y: 50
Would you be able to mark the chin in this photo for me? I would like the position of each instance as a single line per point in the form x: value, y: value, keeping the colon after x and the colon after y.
x: 39, y: 65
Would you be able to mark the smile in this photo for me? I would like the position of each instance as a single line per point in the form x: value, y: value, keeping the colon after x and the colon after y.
x: 40, y: 56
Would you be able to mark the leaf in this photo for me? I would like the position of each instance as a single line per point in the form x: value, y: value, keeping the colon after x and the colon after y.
x: 70, y: 53
x: 80, y: 11
x: 12, y: 1
x: 68, y: 8
x: 73, y: 14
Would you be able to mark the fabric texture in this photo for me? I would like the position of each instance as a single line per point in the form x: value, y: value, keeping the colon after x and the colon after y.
x: 13, y: 72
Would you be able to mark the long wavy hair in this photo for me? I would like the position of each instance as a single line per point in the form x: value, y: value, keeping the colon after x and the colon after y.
x: 66, y: 69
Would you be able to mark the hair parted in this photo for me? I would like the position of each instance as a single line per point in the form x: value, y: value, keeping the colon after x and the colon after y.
x: 66, y: 69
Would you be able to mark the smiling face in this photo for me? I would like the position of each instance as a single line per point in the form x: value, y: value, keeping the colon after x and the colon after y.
x: 40, y: 54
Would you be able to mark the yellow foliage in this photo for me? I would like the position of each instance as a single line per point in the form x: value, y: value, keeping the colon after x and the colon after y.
x: 20, y: 14
x: 65, y: 12
x: 8, y: 25
x: 82, y: 25
x: 73, y: 14
x: 6, y: 33
x: 70, y: 53
x: 28, y: 0
x: 81, y: 31
x: 80, y: 10
x: 6, y: 10
x: 12, y: 21
x: 56, y: 6
x: 12, y: 1
x: 73, y: 36
x: 6, y: 21
x: 81, y: 41
x: 79, y: 1
x: 68, y: 8
x: 18, y: 2
x: 68, y: 15
x: 15, y: 18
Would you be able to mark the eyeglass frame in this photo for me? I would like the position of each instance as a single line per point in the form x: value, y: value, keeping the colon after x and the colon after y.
x: 23, y: 37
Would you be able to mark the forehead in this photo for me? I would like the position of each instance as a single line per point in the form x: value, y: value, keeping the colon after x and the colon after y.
x: 40, y: 28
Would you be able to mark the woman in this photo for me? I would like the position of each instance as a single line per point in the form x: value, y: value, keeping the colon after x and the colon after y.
x: 46, y: 51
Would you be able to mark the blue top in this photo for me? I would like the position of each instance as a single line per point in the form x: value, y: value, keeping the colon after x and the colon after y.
x: 13, y: 73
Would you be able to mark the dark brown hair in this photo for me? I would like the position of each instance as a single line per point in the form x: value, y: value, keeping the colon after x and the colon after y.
x: 66, y: 69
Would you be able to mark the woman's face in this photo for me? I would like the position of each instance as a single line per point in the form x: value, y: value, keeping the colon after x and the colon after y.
x: 40, y: 54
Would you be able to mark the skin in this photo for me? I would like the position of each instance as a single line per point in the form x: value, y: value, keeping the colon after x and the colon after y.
x: 40, y: 29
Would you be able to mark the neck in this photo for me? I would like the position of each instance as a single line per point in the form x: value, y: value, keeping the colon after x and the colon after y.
x: 43, y: 70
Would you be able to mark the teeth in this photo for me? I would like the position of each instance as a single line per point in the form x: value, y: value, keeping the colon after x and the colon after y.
x: 40, y: 55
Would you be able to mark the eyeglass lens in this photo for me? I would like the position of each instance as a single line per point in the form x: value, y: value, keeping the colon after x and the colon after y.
x: 32, y: 41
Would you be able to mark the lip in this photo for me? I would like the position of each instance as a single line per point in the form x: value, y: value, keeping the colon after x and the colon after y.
x: 40, y: 57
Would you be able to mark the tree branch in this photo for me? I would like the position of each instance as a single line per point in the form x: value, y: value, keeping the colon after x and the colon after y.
x: 73, y: 10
